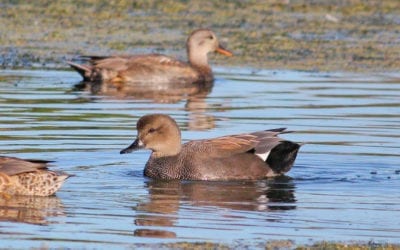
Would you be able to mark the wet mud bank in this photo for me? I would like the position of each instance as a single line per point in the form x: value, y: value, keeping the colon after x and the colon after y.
x: 301, y: 35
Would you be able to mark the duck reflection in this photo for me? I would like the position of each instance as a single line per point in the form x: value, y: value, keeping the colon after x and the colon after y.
x: 30, y: 209
x: 166, y: 196
x: 144, y: 91
x: 195, y: 97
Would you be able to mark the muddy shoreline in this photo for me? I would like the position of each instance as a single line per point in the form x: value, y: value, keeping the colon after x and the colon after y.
x: 356, y: 35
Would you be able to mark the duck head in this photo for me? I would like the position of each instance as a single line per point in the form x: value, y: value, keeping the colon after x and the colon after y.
x: 159, y: 133
x: 200, y: 43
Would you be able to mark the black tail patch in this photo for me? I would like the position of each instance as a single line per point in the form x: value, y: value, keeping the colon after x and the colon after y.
x: 282, y: 157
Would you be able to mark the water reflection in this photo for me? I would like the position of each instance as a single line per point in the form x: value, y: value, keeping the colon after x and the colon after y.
x: 145, y: 91
x: 166, y: 197
x: 30, y: 209
x: 195, y: 97
x: 350, y: 124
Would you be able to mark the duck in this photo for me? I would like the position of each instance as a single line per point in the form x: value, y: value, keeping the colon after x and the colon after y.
x: 28, y: 177
x: 161, y: 71
x: 246, y: 156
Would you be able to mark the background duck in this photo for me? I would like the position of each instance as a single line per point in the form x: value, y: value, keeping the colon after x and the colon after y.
x: 156, y: 69
x: 246, y: 156
x: 28, y: 177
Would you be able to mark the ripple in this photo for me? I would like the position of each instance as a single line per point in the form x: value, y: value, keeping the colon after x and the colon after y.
x: 344, y: 185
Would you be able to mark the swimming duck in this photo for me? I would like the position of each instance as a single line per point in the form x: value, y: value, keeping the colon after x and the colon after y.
x: 247, y: 156
x: 156, y: 69
x: 28, y: 177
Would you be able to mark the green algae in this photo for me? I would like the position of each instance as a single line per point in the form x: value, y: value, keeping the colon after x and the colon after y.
x: 304, y: 35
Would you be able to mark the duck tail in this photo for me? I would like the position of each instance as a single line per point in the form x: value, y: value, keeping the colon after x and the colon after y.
x: 84, y: 70
x: 282, y: 157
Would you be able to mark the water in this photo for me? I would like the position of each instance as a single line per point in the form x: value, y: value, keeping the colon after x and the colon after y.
x: 344, y: 185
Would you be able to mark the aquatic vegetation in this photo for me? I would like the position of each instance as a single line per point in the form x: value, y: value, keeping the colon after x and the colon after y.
x: 322, y: 35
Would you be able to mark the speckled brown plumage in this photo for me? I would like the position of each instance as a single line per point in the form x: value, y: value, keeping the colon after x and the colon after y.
x: 246, y: 156
x: 28, y: 177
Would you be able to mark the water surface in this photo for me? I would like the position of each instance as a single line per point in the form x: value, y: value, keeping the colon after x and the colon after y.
x: 344, y: 185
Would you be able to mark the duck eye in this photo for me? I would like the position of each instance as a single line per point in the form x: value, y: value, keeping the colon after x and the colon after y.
x: 152, y: 130
x: 211, y: 37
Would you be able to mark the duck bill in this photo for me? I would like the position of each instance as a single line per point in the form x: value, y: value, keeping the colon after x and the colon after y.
x: 223, y: 51
x: 136, y: 145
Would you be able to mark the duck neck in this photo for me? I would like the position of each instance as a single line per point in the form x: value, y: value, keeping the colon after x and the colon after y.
x: 199, y: 61
x: 169, y: 150
x: 170, y: 147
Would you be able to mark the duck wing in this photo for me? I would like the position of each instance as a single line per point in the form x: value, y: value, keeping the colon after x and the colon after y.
x: 260, y: 143
x: 126, y: 61
x: 14, y: 166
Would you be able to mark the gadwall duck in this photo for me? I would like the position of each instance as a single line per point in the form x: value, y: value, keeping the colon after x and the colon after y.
x: 156, y: 69
x: 249, y: 156
x: 28, y: 177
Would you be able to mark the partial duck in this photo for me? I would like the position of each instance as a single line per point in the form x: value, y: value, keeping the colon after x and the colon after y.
x: 155, y: 69
x: 247, y: 156
x: 28, y: 177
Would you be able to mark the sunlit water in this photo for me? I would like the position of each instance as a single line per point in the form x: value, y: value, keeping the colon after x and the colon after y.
x: 344, y: 185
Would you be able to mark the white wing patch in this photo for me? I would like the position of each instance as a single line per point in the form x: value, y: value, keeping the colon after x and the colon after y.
x: 264, y: 156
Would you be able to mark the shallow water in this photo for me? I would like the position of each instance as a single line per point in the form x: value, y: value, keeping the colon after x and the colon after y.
x: 344, y: 185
